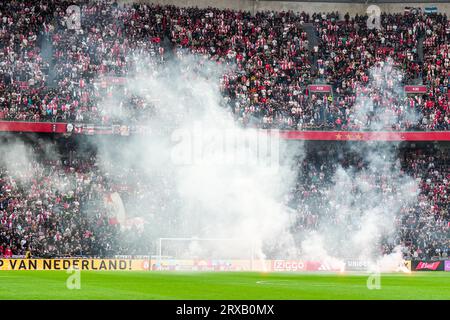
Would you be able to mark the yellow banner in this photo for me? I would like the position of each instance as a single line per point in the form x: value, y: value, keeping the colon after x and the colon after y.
x: 211, y: 265
x: 79, y: 264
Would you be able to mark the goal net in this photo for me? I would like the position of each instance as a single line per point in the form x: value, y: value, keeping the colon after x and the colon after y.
x: 203, y: 253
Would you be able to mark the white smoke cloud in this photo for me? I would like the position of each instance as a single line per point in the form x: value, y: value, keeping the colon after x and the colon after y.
x: 214, y: 187
x: 381, y: 105
x: 31, y: 166
x: 226, y: 181
x: 362, y: 203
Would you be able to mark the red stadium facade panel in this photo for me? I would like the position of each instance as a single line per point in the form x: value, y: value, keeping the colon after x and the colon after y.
x: 416, y: 89
x: 43, y: 127
x: 60, y: 127
x: 319, y: 88
x: 366, y: 135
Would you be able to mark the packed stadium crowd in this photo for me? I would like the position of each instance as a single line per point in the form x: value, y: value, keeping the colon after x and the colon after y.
x: 42, y: 208
x: 53, y: 68
x: 64, y: 202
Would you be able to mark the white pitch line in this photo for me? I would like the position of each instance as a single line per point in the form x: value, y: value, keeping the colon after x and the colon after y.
x: 288, y: 282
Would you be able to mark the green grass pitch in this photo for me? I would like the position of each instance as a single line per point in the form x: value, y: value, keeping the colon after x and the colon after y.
x: 221, y: 285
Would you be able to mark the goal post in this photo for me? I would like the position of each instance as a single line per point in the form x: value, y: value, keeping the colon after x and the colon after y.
x: 195, y: 248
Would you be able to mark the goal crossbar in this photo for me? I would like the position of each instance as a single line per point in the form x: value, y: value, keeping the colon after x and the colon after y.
x: 161, y: 240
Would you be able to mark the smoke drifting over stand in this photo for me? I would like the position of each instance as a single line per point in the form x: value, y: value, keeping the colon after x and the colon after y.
x: 207, y: 177
x: 381, y: 103
x: 214, y: 179
x: 360, y: 208
x: 196, y: 173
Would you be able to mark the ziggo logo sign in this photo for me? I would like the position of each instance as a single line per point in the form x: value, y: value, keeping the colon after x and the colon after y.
x: 288, y: 265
